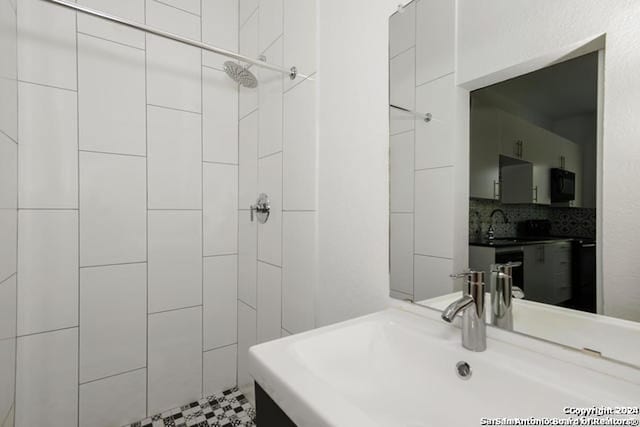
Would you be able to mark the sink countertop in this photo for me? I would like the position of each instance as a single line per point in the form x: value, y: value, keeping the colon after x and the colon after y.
x: 397, y: 368
x: 519, y: 241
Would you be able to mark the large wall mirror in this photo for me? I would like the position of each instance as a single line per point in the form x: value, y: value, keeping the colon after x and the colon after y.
x: 532, y: 185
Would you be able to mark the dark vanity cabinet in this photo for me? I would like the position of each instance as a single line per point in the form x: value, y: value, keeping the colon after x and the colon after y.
x: 268, y: 413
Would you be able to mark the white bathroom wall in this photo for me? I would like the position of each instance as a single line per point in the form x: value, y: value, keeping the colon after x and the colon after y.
x: 128, y: 201
x: 277, y: 156
x: 8, y: 209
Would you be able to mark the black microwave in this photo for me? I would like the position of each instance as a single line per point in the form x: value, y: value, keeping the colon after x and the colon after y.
x: 563, y: 185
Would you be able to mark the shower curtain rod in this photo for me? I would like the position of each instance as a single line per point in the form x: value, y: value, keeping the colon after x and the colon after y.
x: 292, y: 72
x: 424, y: 116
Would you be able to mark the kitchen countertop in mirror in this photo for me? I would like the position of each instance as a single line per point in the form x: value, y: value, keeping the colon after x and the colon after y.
x: 613, y: 338
x: 519, y: 241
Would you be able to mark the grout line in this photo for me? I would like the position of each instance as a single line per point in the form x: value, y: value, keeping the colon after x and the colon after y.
x: 2, y: 282
x: 247, y: 304
x: 432, y: 168
x: 15, y: 329
x: 113, y: 375
x: 270, y: 45
x: 241, y: 25
x: 248, y: 114
x: 299, y: 210
x: 282, y: 164
x: 112, y: 265
x: 310, y: 77
x: 434, y: 79
x: 174, y: 210
x: 202, y: 266
x: 220, y: 347
x: 79, y: 312
x: 178, y: 8
x: 49, y: 209
x: 401, y: 132
x: 269, y: 155
x: 237, y: 93
x: 47, y: 332
x: 413, y: 196
x: 45, y: 85
x: 174, y: 309
x: 219, y: 255
x: 5, y: 134
x: 413, y: 46
x: 212, y: 68
x: 174, y: 109
x: 111, y: 41
x: 111, y: 154
x: 433, y: 256
x: 401, y: 213
x: 269, y: 263
x: 146, y: 147
x: 220, y: 163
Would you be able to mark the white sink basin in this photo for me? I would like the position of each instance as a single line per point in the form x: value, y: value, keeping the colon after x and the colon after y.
x: 397, y: 368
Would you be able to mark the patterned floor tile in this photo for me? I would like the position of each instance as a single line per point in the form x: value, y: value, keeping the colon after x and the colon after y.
x: 227, y: 409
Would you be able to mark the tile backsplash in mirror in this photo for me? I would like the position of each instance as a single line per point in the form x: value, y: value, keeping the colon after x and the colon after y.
x: 570, y: 222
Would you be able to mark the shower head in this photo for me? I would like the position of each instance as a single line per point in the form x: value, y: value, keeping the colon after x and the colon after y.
x: 240, y: 74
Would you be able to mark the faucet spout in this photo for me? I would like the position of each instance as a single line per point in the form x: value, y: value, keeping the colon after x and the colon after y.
x: 456, y: 307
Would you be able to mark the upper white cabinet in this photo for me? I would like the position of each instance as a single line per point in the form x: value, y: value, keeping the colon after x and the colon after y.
x: 496, y: 133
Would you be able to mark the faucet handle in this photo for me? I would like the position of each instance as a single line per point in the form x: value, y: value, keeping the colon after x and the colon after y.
x: 517, y: 292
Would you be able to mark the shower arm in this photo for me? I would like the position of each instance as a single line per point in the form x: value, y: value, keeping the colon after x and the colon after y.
x: 292, y: 72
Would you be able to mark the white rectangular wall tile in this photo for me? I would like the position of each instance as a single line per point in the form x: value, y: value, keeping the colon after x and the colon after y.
x: 130, y: 9
x: 48, y: 156
x: 431, y: 277
x: 113, y: 213
x: 8, y: 242
x: 270, y: 233
x: 270, y: 103
x: 220, y: 117
x: 402, y: 30
x: 247, y: 337
x: 8, y: 110
x: 8, y: 44
x: 401, y: 252
x: 300, y: 36
x: 191, y: 6
x: 220, y: 295
x: 437, y: 20
x: 175, y: 259
x: 7, y: 379
x: 8, y: 290
x: 299, y: 161
x: 247, y: 254
x: 46, y: 44
x: 174, y: 159
x: 219, y: 209
x: 176, y: 20
x: 248, y: 141
x: 48, y: 270
x: 175, y: 358
x: 298, y: 270
x: 112, y: 104
x: 114, y: 401
x: 434, y: 140
x: 271, y: 22
x: 269, y: 302
x: 220, y: 369
x: 113, y: 327
x: 401, y: 171
x: 47, y: 379
x: 433, y: 219
x: 402, y: 80
x: 248, y: 46
x: 247, y: 8
x: 219, y: 28
x: 8, y: 173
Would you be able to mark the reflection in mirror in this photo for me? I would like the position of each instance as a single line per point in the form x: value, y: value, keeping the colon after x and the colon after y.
x: 534, y: 176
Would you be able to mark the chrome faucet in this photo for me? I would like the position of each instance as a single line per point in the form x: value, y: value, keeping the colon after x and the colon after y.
x: 491, y: 232
x: 474, y: 329
x: 502, y: 294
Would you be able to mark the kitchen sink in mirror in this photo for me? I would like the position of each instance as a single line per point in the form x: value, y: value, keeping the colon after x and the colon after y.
x: 531, y: 213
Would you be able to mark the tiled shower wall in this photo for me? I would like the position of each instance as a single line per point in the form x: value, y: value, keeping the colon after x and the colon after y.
x: 422, y: 169
x: 8, y: 208
x: 277, y: 125
x: 128, y: 202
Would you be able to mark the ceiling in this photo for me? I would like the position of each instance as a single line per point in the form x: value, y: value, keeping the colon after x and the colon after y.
x: 556, y: 92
